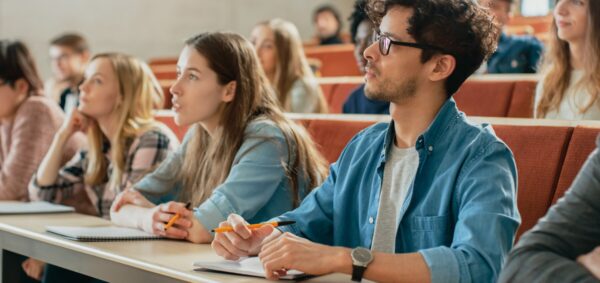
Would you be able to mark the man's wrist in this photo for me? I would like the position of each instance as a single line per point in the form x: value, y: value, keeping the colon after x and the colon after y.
x: 343, y: 260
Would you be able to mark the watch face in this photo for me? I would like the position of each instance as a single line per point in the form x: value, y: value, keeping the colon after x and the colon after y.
x: 362, y: 255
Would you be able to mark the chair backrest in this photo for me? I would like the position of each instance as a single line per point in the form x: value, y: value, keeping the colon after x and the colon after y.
x: 536, y: 180
x: 582, y: 143
x: 336, y: 60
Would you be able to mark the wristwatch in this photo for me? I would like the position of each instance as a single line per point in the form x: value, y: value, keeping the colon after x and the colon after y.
x: 361, y: 257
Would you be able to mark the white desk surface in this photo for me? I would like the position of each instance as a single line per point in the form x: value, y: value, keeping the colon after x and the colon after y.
x: 165, y: 257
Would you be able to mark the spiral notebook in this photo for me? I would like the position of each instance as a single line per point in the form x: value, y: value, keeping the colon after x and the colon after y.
x: 100, y: 233
x: 249, y: 266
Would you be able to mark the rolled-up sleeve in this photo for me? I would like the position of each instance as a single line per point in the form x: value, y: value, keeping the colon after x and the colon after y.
x: 255, y: 176
x: 548, y: 252
x: 487, y: 220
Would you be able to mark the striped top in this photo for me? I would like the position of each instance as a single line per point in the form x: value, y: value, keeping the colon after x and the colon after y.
x: 24, y: 141
x: 144, y: 154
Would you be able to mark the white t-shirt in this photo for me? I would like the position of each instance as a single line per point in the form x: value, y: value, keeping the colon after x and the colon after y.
x: 574, y: 98
x: 398, y: 175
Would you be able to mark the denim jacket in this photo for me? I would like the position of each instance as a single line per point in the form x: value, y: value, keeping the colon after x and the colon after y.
x: 460, y: 213
x: 256, y: 187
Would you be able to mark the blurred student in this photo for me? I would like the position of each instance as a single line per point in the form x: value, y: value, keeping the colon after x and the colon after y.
x: 328, y: 25
x: 361, y: 29
x: 515, y: 53
x: 28, y: 121
x: 69, y: 54
x: 279, y: 48
x: 570, y: 86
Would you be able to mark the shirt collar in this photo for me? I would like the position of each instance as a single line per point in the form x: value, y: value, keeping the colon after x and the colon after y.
x: 445, y: 118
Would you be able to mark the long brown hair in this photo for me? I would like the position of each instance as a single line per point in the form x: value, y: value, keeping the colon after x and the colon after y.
x: 208, y: 160
x: 17, y: 63
x: 292, y: 65
x: 140, y: 93
x: 557, y: 66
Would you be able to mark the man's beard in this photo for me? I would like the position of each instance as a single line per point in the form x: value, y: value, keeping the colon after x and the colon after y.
x: 391, y: 91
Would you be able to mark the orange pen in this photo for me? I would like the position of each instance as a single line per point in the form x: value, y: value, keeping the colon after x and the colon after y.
x: 176, y: 216
x: 254, y: 226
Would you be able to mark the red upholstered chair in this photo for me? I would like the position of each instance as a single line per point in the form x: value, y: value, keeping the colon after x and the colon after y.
x: 339, y: 95
x: 582, y: 143
x: 485, y: 98
x: 539, y: 153
x: 331, y: 136
x: 521, y: 104
x: 167, y: 118
x: 327, y: 89
x: 337, y: 60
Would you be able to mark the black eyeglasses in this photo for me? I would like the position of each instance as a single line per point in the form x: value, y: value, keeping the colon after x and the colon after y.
x: 385, y: 42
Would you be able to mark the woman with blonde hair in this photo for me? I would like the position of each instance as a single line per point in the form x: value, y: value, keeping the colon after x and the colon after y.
x: 116, y: 103
x: 279, y: 48
x: 570, y: 87
x: 241, y: 155
x: 125, y: 142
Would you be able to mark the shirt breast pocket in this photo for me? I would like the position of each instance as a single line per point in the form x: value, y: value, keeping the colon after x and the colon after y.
x: 431, y: 231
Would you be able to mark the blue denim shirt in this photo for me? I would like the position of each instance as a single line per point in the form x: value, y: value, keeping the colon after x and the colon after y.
x: 256, y: 188
x: 460, y: 213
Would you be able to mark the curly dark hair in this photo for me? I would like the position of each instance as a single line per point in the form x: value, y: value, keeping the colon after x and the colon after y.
x: 358, y: 16
x: 462, y: 28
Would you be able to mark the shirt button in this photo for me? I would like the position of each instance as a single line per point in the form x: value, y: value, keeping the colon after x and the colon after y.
x: 371, y: 220
x: 430, y: 148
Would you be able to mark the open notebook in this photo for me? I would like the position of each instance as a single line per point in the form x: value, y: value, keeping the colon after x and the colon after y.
x: 101, y: 233
x: 249, y: 266
x: 16, y: 207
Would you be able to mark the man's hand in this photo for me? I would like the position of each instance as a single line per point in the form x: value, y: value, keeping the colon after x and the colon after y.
x: 292, y: 252
x: 591, y: 262
x: 242, y: 241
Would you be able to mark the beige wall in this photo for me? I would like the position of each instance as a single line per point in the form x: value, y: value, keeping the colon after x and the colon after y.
x: 145, y: 28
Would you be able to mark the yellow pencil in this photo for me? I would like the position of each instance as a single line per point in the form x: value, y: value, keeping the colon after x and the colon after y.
x: 254, y: 226
x: 176, y: 216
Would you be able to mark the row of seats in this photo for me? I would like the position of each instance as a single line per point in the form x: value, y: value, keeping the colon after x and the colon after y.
x: 564, y: 145
x: 330, y: 61
x: 489, y: 95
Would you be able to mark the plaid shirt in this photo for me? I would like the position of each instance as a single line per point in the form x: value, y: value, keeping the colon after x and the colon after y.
x: 144, y: 155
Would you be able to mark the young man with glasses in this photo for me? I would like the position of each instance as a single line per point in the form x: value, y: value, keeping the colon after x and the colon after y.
x: 429, y: 197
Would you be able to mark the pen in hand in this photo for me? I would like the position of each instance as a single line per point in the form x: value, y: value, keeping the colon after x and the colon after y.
x: 253, y: 226
x: 176, y: 216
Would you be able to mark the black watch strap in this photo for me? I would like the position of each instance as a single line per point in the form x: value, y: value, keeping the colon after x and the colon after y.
x: 357, y: 272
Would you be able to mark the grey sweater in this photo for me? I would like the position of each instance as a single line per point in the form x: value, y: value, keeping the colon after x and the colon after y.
x: 548, y: 252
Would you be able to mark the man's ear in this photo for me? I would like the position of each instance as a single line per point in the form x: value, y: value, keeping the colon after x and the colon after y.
x: 229, y: 91
x: 443, y: 68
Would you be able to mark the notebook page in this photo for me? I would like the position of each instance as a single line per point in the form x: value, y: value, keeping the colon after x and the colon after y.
x: 249, y: 266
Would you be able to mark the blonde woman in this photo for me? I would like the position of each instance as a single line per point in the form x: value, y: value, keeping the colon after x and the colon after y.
x: 279, y: 48
x: 116, y: 111
x: 242, y: 155
x: 570, y: 87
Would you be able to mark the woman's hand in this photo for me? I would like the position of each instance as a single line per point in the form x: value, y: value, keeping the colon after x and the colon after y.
x: 75, y: 122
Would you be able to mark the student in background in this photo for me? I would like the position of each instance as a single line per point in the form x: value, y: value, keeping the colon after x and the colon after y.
x: 430, y: 197
x: 328, y: 25
x: 564, y: 246
x: 515, y: 53
x: 279, y: 48
x: 570, y: 87
x: 69, y: 54
x: 117, y: 98
x: 361, y: 29
x: 28, y: 121
x: 242, y: 155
